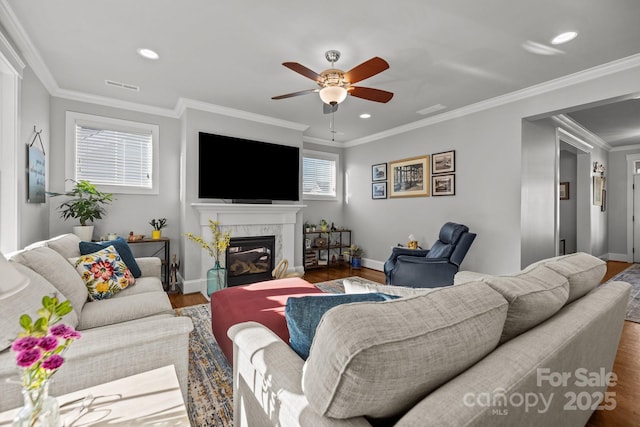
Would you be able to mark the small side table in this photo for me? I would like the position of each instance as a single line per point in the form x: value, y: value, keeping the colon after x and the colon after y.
x: 166, y: 263
x: 151, y: 398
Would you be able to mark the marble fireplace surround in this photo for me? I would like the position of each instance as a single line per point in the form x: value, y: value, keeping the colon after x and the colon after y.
x: 246, y: 220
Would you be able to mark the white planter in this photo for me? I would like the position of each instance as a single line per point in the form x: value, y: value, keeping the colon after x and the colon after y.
x: 84, y: 232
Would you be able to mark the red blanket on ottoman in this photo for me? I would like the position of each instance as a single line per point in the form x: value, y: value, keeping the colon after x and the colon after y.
x: 261, y: 302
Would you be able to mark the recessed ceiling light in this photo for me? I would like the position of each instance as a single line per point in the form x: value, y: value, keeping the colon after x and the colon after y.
x: 148, y: 53
x: 365, y: 115
x: 564, y: 37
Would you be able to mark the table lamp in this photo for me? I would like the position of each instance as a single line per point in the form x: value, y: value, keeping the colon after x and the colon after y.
x: 11, y: 280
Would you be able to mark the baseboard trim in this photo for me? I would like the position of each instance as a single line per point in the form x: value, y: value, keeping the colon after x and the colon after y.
x: 617, y: 257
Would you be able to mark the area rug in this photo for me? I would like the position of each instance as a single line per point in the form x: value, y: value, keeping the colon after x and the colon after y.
x: 210, y: 394
x: 631, y: 275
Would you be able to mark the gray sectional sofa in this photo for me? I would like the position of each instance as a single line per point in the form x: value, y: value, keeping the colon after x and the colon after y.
x: 134, y: 331
x: 534, y: 348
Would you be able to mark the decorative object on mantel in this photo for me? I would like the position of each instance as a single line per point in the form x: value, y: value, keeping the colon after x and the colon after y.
x: 39, y: 348
x: 412, y: 243
x: 36, y: 175
x: 85, y: 205
x: 158, y: 225
x: 598, y: 168
x: 217, y: 275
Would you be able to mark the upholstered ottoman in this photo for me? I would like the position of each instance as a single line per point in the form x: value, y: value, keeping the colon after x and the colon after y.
x: 261, y: 302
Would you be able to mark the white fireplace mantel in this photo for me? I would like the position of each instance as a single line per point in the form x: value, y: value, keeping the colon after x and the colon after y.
x: 247, y: 220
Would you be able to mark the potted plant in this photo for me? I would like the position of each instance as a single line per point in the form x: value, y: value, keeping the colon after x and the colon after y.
x: 86, y: 205
x: 355, y: 252
x: 158, y: 225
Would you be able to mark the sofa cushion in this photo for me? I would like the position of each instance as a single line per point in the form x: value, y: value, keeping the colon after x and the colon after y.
x: 304, y: 313
x: 27, y: 301
x: 352, y: 286
x: 118, y: 310
x: 583, y: 271
x: 104, y: 273
x: 379, y: 359
x: 59, y: 272
x: 534, y: 296
x: 65, y: 244
x: 121, y: 246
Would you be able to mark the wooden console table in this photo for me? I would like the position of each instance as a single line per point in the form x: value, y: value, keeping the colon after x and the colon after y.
x: 166, y: 263
x: 151, y: 398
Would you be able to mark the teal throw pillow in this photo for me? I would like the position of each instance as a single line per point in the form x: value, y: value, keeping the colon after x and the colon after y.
x: 123, y: 249
x: 304, y: 313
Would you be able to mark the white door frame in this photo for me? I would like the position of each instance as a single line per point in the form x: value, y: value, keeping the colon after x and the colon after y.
x: 631, y: 159
x: 11, y: 67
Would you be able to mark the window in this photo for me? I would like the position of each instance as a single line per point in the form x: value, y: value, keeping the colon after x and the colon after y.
x: 119, y: 156
x: 319, y: 171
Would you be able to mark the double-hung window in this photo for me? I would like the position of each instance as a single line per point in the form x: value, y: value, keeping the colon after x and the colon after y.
x: 119, y: 156
x: 319, y: 172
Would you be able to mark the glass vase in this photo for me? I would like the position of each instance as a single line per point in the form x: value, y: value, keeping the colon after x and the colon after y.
x: 216, y: 278
x: 39, y: 408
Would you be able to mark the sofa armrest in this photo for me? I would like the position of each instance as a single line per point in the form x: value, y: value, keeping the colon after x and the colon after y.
x: 112, y: 352
x: 267, y: 382
x: 150, y: 266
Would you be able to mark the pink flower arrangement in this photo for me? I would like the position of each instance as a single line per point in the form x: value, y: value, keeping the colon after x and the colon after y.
x: 40, y: 344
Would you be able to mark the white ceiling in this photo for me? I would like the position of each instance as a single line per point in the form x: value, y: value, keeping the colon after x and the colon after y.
x: 229, y: 54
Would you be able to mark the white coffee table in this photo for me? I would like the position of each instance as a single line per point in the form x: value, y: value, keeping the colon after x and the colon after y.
x: 151, y: 398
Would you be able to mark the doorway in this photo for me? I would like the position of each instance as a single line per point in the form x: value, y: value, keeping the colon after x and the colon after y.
x: 573, y: 219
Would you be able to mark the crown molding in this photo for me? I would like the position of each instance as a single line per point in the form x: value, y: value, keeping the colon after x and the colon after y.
x: 549, y: 86
x: 319, y: 141
x: 575, y: 128
x: 115, y: 103
x: 184, y: 103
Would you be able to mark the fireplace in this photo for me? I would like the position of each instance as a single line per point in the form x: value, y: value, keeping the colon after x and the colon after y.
x: 250, y: 259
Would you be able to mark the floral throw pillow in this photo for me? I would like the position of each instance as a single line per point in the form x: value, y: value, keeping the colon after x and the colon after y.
x: 104, y: 273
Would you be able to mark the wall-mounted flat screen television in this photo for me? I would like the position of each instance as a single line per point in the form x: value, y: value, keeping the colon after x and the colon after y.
x: 246, y: 170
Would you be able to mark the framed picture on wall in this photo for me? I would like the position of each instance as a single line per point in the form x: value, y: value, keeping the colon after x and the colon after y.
x: 379, y: 190
x: 444, y: 185
x: 564, y: 191
x: 379, y: 172
x: 443, y: 162
x: 409, y: 177
x: 598, y: 188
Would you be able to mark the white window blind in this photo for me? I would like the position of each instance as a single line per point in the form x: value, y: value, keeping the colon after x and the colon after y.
x: 119, y: 156
x: 112, y: 157
x: 319, y: 174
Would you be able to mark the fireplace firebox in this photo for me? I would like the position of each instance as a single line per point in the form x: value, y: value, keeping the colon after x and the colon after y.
x: 250, y: 259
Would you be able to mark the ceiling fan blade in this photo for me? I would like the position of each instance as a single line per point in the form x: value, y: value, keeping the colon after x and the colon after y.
x: 365, y: 70
x: 301, y: 69
x: 370, y: 94
x: 328, y: 109
x: 290, y: 95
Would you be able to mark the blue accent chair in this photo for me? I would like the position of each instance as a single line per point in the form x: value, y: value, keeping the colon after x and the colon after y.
x: 431, y: 268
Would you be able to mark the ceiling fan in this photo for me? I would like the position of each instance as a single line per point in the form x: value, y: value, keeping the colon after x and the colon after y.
x: 335, y: 84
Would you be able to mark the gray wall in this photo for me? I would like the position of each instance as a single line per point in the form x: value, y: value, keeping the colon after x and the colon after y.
x: 128, y: 212
x: 34, y: 224
x: 617, y: 201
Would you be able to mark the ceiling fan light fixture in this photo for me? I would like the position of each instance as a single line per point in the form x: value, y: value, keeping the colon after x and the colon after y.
x: 333, y: 95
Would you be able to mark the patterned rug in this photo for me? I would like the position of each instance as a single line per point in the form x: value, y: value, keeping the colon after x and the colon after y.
x: 631, y: 275
x: 210, y: 395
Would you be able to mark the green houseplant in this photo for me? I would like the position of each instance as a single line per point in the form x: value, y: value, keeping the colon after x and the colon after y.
x: 86, y: 204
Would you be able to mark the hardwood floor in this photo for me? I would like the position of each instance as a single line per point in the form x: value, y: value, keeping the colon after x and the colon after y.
x: 626, y: 365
